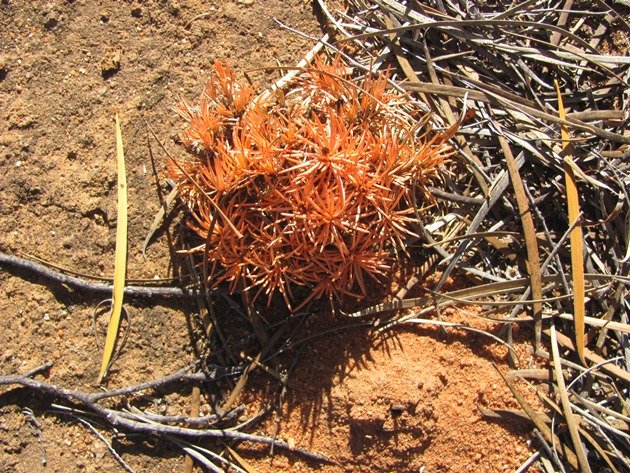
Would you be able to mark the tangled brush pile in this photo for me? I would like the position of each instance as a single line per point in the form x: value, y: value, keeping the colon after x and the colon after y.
x: 313, y: 187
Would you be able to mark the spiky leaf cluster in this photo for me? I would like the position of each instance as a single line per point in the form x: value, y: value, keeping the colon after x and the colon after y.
x: 312, y: 187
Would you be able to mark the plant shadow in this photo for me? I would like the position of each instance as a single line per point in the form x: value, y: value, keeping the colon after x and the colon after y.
x: 354, y: 385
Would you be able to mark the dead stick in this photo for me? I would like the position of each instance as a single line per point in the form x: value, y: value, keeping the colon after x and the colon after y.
x: 116, y: 420
x: 80, y: 284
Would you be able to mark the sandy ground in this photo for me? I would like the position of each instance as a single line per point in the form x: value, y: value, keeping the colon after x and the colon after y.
x: 401, y: 403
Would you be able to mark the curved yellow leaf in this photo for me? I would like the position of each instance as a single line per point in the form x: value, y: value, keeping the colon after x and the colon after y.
x: 120, y: 265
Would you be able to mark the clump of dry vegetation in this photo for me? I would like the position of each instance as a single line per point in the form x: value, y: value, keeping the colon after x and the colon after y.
x: 312, y: 188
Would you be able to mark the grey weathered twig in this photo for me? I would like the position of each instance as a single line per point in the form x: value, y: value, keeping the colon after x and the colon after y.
x: 38, y: 269
x: 117, y: 420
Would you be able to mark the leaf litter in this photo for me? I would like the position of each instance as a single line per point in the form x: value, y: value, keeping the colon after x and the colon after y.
x: 501, y: 64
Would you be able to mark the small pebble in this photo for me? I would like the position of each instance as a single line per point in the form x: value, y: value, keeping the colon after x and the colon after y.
x: 110, y: 64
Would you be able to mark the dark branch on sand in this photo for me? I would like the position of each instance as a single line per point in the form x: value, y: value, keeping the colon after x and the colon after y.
x: 38, y: 269
x: 139, y: 423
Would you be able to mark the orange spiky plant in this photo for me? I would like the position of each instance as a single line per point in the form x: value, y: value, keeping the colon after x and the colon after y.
x: 313, y: 188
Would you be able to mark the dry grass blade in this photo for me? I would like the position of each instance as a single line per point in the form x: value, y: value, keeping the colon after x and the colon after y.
x: 120, y: 265
x: 158, y: 219
x: 530, y: 237
x: 493, y: 289
x: 492, y: 98
x: 576, y: 238
x: 540, y: 421
x: 197, y: 452
x: 589, y: 438
x: 441, y: 323
x: 499, y: 185
x: 286, y: 79
x: 242, y: 381
x: 194, y: 412
x: 615, y: 371
x: 462, y: 24
x: 445, y: 107
x: 606, y: 324
x: 566, y: 405
x: 246, y: 466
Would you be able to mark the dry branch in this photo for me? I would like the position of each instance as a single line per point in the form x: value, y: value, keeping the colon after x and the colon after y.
x: 139, y: 424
